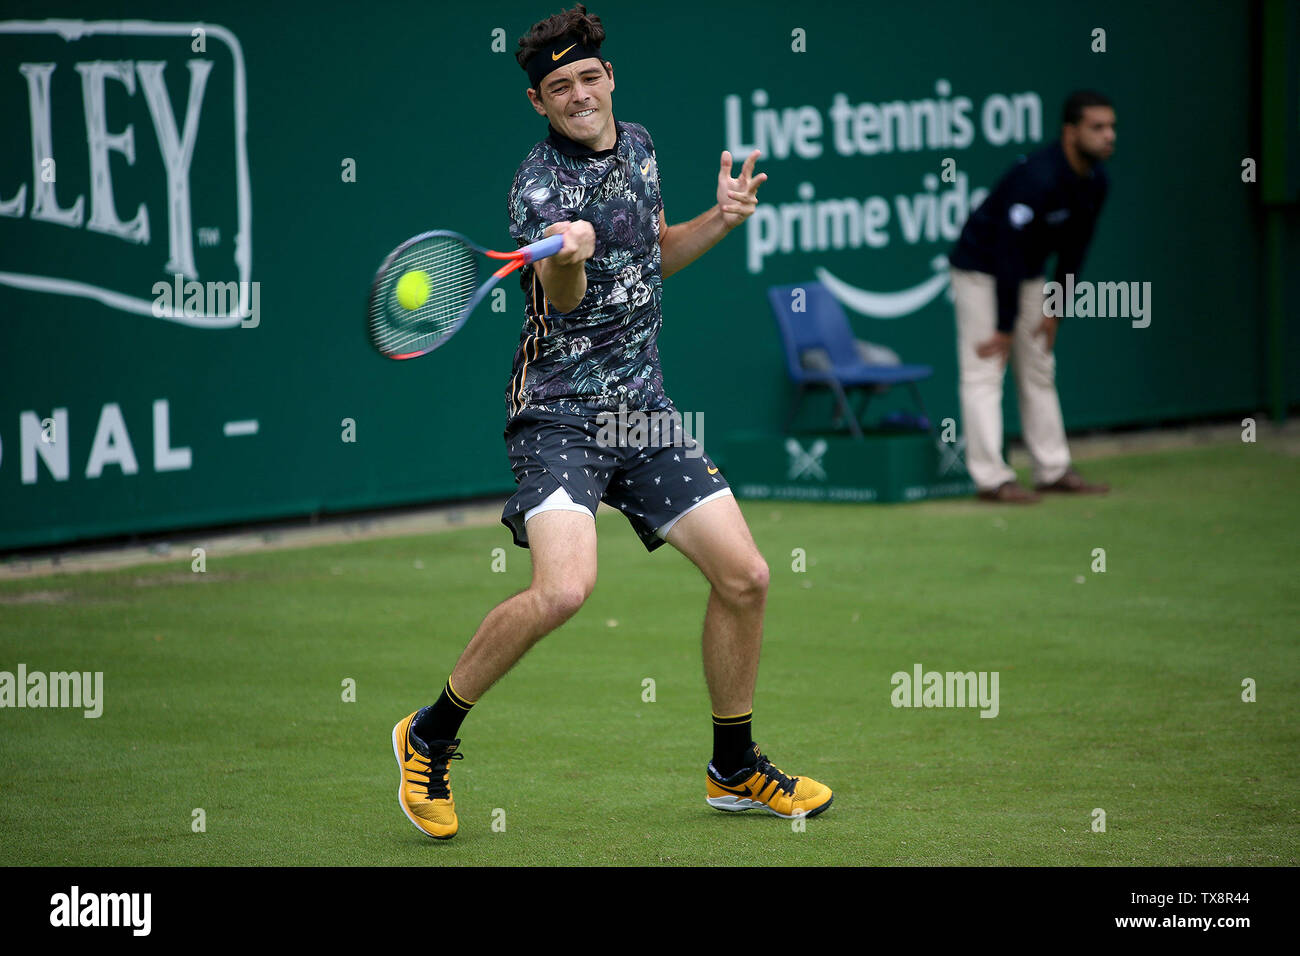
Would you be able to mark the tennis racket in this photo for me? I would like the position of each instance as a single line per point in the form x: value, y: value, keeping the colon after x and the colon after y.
x: 427, y: 287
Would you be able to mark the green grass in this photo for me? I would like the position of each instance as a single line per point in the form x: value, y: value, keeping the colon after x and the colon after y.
x: 223, y: 691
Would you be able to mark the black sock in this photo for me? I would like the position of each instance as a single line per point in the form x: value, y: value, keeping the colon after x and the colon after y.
x: 732, y: 738
x: 442, y: 721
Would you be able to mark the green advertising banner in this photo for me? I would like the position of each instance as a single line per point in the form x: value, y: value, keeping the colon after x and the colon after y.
x: 194, y: 198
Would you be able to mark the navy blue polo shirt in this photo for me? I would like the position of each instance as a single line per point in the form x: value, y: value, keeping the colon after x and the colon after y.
x: 1039, y: 207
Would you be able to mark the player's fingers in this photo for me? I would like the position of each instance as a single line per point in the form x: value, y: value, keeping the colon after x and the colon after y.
x: 726, y: 163
x: 748, y: 169
x: 756, y: 182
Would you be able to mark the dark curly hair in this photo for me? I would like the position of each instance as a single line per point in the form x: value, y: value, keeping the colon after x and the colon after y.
x: 576, y: 22
x: 1080, y: 100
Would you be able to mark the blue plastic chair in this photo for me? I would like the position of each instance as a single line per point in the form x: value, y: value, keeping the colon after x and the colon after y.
x: 823, y: 325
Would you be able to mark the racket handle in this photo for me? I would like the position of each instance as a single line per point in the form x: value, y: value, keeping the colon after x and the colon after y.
x: 540, y: 250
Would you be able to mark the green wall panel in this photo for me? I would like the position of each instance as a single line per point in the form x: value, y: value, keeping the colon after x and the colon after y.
x: 437, y: 122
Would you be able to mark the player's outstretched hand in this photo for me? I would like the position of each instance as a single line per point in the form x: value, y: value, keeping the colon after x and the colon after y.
x: 579, y: 241
x: 737, y: 198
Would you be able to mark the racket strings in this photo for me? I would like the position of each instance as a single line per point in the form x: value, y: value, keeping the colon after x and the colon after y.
x: 453, y: 274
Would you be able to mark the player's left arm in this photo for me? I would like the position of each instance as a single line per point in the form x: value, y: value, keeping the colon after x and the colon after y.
x: 682, y: 244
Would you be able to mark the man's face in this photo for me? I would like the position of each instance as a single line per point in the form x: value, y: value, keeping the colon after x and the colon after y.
x: 577, y: 100
x: 1094, y: 134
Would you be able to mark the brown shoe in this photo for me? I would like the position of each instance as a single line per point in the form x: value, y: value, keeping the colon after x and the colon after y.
x: 1073, y: 483
x: 1010, y: 492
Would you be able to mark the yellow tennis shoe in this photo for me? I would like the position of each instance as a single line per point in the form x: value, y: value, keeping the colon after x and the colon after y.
x: 424, y: 792
x: 762, y: 786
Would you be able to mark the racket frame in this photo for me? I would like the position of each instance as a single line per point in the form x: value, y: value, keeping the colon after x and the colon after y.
x: 521, y: 257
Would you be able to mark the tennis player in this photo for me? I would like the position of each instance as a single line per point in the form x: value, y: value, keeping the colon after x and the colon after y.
x: 587, y: 360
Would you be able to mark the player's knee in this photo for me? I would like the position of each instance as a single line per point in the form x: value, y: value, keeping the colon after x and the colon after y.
x: 562, y: 600
x: 747, y: 583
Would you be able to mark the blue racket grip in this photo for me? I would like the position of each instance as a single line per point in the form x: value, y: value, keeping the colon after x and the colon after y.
x: 545, y: 247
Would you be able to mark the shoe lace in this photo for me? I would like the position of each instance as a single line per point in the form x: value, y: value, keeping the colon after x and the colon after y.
x: 769, y: 770
x: 437, y: 774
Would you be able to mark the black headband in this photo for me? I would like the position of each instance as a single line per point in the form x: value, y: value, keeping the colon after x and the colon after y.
x: 558, y: 53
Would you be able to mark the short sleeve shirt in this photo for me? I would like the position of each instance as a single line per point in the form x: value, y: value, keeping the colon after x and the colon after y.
x: 603, y: 353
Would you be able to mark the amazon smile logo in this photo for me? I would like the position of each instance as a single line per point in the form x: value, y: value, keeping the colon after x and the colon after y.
x: 888, y: 305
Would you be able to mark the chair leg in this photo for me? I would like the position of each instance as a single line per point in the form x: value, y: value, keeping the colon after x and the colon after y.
x: 860, y: 407
x: 920, y: 404
x: 847, y: 412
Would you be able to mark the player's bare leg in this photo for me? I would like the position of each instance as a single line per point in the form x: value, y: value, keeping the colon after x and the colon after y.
x: 563, y: 545
x: 715, y: 537
x: 717, y: 540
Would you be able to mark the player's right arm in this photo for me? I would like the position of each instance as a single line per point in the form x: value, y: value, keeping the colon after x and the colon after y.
x: 564, y: 275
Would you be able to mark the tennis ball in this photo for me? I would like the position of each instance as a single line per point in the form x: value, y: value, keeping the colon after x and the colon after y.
x: 413, y: 290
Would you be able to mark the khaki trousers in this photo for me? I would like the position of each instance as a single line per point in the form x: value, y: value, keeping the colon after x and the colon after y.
x: 975, y: 298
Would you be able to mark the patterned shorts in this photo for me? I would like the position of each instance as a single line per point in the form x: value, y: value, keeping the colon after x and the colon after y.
x: 653, y: 474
